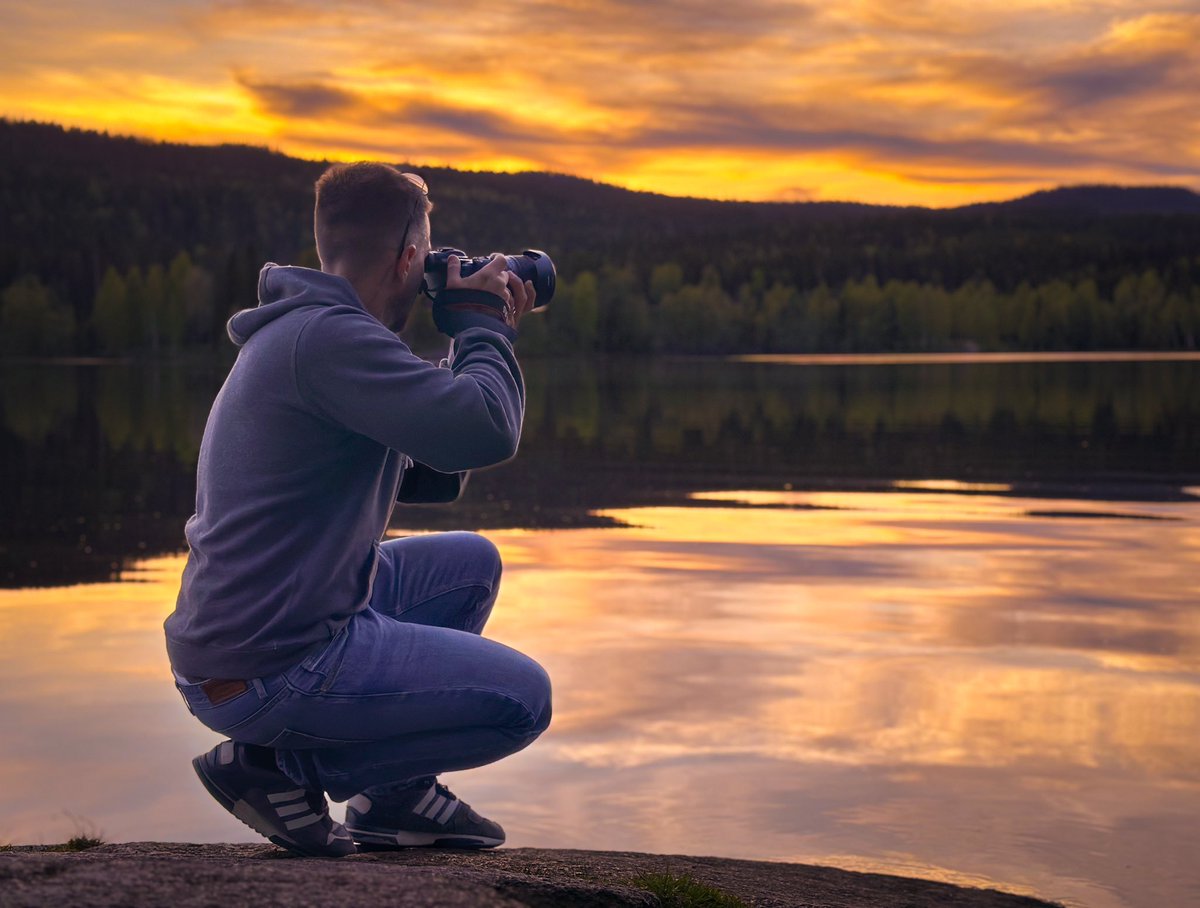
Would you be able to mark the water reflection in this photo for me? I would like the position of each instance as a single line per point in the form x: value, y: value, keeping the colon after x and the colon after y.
x: 99, y: 461
x: 914, y: 681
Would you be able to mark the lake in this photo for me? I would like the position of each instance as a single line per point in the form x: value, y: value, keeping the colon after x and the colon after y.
x: 937, y: 618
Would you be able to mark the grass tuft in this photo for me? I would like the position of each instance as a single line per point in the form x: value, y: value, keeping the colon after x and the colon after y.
x: 86, y: 836
x: 682, y: 891
x: 81, y: 842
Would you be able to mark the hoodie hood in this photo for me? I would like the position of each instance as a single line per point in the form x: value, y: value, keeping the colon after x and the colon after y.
x: 284, y: 288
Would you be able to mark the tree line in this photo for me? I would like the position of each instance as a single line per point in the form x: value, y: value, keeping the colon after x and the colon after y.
x: 116, y: 246
x: 166, y: 309
x: 614, y: 311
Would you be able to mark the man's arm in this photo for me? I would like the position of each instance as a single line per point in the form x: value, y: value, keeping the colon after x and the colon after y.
x: 425, y: 485
x: 351, y: 370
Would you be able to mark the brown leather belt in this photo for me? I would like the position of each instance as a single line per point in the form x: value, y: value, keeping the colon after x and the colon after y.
x: 219, y: 690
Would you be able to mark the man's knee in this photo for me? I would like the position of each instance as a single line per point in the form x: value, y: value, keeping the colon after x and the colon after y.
x: 536, y: 695
x: 479, y: 552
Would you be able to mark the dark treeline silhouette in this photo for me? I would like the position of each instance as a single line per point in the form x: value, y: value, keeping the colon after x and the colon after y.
x: 121, y: 246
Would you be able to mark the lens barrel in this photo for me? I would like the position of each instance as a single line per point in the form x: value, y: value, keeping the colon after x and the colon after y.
x: 530, y: 265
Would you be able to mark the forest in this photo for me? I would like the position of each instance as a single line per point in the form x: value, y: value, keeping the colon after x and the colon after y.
x: 121, y: 247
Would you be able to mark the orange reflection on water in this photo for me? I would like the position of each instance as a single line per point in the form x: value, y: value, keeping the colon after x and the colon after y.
x: 892, y: 680
x: 969, y: 634
x: 109, y: 632
x: 1034, y: 677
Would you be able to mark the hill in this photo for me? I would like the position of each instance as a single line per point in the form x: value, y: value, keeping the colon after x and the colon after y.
x: 1105, y: 201
x: 74, y: 204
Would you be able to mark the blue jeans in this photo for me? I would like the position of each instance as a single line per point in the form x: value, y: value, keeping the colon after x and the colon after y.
x: 406, y: 689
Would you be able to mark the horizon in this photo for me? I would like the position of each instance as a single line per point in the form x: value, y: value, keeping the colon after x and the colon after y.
x: 939, y: 105
x: 418, y: 166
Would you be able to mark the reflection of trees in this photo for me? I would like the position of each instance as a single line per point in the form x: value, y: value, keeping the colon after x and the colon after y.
x: 97, y: 483
x: 1007, y: 413
x: 101, y: 460
x: 152, y: 409
x: 37, y: 402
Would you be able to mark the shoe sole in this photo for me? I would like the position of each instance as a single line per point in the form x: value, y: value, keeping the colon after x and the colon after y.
x: 251, y: 817
x: 383, y: 838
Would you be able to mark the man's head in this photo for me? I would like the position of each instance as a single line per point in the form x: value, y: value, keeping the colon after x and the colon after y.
x: 360, y: 218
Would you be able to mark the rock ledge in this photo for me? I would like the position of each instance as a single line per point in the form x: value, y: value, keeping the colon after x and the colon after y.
x: 143, y: 874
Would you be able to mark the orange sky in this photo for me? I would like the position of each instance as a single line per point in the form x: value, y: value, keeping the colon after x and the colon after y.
x: 930, y: 102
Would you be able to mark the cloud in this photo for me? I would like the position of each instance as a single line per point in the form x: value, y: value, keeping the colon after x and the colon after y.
x: 1093, y: 82
x: 940, y: 100
x: 323, y: 100
x: 300, y: 100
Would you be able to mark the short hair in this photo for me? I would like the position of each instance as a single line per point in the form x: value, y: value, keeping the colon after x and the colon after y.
x: 360, y: 208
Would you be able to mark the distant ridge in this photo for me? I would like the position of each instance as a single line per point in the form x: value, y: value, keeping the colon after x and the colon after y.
x: 83, y: 147
x: 1103, y: 200
x: 74, y: 203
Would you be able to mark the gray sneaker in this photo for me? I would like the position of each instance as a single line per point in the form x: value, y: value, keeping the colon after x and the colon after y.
x: 247, y: 784
x: 425, y: 813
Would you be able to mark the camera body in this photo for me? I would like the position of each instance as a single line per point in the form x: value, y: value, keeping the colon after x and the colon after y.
x: 531, y: 265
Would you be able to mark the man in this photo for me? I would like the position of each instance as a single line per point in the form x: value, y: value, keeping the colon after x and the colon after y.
x: 337, y: 663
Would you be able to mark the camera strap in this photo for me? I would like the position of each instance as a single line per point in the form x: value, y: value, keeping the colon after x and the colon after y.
x: 460, y: 296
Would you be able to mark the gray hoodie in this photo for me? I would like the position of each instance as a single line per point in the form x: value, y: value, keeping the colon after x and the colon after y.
x: 305, y: 450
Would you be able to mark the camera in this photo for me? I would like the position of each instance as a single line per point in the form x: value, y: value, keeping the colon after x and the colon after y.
x: 531, y: 265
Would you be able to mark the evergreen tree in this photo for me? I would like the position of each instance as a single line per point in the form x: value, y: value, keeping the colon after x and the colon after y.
x: 198, y: 305
x: 173, y: 322
x: 154, y: 304
x: 623, y: 314
x: 110, y: 313
x: 574, y: 317
x: 697, y: 318
x: 135, y: 309
x: 32, y: 321
x: 667, y: 277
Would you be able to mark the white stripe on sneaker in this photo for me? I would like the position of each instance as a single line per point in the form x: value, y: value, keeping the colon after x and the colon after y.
x: 429, y: 796
x: 301, y: 822
x: 445, y: 814
x: 290, y: 810
x: 434, y: 807
x: 281, y: 796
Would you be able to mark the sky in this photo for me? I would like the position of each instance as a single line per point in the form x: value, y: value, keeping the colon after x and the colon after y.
x: 924, y: 102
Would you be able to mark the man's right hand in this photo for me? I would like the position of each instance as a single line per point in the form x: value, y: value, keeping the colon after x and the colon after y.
x: 494, y: 278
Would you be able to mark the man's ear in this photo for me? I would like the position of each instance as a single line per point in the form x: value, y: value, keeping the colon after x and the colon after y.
x: 405, y: 261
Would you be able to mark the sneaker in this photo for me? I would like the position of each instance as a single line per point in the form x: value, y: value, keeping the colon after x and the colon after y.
x: 425, y: 813
x: 246, y: 782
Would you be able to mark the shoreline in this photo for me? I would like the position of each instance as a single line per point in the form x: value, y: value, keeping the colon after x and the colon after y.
x: 141, y: 874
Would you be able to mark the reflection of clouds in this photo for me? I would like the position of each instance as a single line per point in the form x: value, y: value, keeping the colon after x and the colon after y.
x: 972, y: 637
x: 92, y: 725
x: 922, y: 682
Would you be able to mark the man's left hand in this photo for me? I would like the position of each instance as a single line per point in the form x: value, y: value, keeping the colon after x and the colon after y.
x: 519, y: 300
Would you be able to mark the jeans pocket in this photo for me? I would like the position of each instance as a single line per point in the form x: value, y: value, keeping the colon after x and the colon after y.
x: 235, y: 716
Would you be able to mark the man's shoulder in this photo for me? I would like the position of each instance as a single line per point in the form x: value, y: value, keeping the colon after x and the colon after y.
x: 337, y: 323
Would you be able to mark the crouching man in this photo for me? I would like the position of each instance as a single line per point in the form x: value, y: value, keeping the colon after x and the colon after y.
x: 337, y: 663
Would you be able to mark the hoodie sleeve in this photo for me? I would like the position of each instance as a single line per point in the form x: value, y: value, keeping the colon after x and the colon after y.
x: 350, y: 369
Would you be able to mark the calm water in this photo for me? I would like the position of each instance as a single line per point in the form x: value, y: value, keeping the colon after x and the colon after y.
x: 938, y: 619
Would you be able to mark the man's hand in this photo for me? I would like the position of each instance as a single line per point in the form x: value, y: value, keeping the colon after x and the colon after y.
x: 496, y: 279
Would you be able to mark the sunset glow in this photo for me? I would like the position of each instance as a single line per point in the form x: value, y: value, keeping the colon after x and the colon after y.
x: 937, y: 102
x: 828, y: 667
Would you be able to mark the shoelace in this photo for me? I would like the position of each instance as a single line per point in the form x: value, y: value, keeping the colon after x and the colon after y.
x: 444, y: 791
